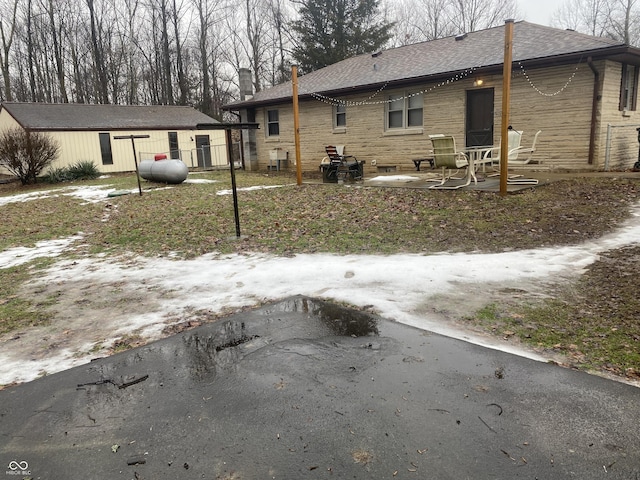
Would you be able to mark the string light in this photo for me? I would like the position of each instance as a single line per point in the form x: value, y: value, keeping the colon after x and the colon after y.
x: 455, y: 78
x: 335, y: 101
x: 348, y: 103
x: 545, y: 94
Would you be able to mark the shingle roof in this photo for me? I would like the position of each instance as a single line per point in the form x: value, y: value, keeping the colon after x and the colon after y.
x: 69, y: 116
x: 481, y: 49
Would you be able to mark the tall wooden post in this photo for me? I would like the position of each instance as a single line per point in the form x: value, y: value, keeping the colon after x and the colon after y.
x: 506, y: 96
x: 296, y: 122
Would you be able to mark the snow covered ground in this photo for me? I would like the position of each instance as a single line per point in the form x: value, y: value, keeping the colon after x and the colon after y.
x: 425, y: 291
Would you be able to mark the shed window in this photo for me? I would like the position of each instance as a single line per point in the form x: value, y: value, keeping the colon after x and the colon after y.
x: 174, y: 149
x: 405, y: 110
x: 105, y: 149
x: 273, y: 123
x: 629, y: 87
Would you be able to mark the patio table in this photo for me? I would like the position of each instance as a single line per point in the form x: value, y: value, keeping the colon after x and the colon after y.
x: 476, y: 156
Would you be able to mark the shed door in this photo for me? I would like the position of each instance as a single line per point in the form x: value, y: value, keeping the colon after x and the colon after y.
x: 479, y: 128
x: 203, y: 148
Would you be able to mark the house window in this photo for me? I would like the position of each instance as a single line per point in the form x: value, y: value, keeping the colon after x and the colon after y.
x: 340, y: 116
x: 105, y: 149
x: 273, y: 123
x: 174, y: 149
x: 405, y: 111
x: 629, y: 87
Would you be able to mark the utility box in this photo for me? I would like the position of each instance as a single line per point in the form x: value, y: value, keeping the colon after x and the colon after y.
x: 277, y: 154
x: 277, y: 158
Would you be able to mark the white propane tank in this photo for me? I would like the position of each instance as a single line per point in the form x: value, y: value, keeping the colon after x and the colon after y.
x: 163, y: 171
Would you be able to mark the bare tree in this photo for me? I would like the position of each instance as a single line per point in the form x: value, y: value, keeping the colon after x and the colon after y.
x: 76, y: 36
x: 588, y: 16
x: 26, y: 154
x: 280, y: 20
x: 128, y: 37
x: 424, y: 20
x: 472, y: 15
x: 254, y: 33
x: 624, y: 20
x: 210, y: 16
x: 617, y: 19
x: 7, y: 31
x: 101, y: 86
x: 183, y: 85
x: 56, y: 16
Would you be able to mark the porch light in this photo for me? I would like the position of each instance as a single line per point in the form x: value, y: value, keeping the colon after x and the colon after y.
x: 478, y: 82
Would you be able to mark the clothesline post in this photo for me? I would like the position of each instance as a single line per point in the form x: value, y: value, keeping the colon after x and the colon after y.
x: 135, y: 156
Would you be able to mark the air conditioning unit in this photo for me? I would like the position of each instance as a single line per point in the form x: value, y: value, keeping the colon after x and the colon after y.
x: 277, y: 159
x: 277, y: 154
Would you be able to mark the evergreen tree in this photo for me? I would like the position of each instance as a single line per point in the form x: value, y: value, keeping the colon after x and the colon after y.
x: 332, y: 30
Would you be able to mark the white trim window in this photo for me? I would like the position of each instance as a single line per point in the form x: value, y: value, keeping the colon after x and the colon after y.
x: 629, y: 87
x: 404, y: 111
x: 273, y: 123
x: 339, y: 116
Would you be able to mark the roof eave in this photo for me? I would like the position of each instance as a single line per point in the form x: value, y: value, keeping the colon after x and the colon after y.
x: 623, y: 53
x: 107, y: 129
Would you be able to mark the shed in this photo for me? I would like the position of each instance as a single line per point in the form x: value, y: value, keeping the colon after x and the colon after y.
x: 85, y: 132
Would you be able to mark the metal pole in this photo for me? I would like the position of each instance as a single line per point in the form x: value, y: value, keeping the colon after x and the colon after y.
x: 506, y: 94
x: 233, y: 181
x: 607, y: 149
x: 135, y: 160
x: 135, y: 156
x: 296, y: 122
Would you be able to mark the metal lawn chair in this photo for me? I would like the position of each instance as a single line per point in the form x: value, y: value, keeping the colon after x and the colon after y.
x: 343, y: 166
x: 515, y: 158
x: 448, y: 158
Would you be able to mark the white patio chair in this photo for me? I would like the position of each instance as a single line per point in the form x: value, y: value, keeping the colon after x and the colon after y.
x: 514, y: 157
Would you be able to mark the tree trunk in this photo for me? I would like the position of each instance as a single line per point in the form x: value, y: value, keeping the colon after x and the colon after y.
x: 183, y: 85
x: 166, y: 54
x: 101, y: 86
x: 7, y: 40
x: 57, y: 51
x: 203, y: 16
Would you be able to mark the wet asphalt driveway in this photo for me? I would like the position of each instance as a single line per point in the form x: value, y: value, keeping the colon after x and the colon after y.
x: 306, y: 389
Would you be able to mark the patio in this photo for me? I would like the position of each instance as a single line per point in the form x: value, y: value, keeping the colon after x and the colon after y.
x: 427, y: 179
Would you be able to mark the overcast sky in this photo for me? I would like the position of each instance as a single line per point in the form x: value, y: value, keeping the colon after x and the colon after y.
x: 538, y: 11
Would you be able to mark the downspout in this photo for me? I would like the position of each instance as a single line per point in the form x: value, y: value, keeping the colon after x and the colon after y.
x: 594, y: 110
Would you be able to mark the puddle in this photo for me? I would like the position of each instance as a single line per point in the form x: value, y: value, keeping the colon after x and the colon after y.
x: 223, y: 345
x: 209, y: 353
x: 340, y: 320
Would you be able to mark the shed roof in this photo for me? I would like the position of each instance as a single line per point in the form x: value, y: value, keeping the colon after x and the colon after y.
x: 79, y: 117
x: 481, y: 50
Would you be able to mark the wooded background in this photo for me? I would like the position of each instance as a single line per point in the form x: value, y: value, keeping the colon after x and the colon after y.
x: 188, y: 52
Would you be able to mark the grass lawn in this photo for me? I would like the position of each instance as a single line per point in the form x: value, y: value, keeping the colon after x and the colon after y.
x: 193, y: 218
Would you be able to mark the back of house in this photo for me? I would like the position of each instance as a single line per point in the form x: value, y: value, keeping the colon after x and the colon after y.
x: 580, y: 91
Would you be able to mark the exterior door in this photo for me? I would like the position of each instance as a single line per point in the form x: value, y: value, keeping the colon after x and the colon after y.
x: 203, y: 149
x: 479, y: 124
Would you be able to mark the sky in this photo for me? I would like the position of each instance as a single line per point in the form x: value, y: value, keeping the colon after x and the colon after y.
x: 538, y: 11
x: 411, y: 289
